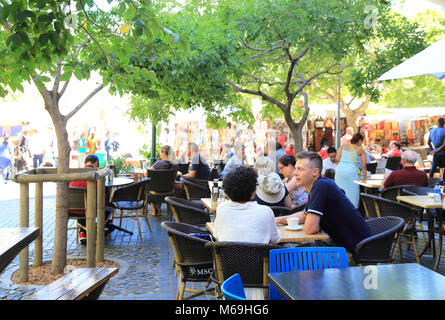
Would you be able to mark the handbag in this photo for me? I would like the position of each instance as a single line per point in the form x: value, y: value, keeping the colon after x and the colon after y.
x: 351, y: 149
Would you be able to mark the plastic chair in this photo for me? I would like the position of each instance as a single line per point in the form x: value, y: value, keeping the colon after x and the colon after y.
x: 233, y: 289
x: 304, y: 258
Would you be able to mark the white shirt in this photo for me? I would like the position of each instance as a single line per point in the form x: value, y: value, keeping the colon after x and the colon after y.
x: 248, y: 222
x: 328, y: 164
x: 36, y: 144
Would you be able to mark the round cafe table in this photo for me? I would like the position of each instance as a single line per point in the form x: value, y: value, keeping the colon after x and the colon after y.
x: 119, y: 182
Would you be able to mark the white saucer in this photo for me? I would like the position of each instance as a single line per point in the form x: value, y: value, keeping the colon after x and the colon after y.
x: 294, y: 228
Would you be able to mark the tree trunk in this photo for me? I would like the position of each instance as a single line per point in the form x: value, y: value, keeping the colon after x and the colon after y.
x: 296, y: 128
x: 60, y: 237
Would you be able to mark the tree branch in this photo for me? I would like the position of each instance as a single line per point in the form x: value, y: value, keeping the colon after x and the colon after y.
x: 257, y: 93
x: 94, y: 39
x: 57, y: 79
x: 261, y: 54
x: 305, y: 82
x: 74, y: 111
x: 65, y: 85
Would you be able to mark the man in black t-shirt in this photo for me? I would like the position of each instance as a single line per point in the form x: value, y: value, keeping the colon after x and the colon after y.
x: 199, y: 169
x: 327, y: 209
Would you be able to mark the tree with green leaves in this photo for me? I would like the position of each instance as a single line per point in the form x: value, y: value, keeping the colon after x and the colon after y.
x: 277, y: 48
x: 421, y: 91
x: 393, y: 38
x: 48, y: 42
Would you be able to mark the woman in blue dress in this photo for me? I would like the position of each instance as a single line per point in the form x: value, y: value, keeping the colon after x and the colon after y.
x: 349, y: 157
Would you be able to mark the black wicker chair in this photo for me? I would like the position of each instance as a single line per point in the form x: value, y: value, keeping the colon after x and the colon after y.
x: 417, y: 190
x: 371, y: 167
x: 280, y: 211
x: 379, y: 247
x: 183, y: 167
x: 195, y: 189
x: 391, y: 193
x: 369, y: 205
x: 432, y: 182
x: 408, y: 213
x: 193, y: 259
x: 131, y: 197
x: 187, y: 211
x: 250, y: 260
x: 393, y: 163
x: 160, y: 186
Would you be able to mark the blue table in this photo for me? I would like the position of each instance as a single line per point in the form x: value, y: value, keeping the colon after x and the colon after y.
x: 408, y: 281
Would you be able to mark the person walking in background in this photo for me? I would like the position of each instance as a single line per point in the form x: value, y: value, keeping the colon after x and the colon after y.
x: 6, y: 155
x: 108, y: 145
x: 436, y: 142
x: 92, y: 143
x: 348, y: 157
x: 82, y: 148
x: 290, y: 149
x: 37, y: 148
x: 347, y: 136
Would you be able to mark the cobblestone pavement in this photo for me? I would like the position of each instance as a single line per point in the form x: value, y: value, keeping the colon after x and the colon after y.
x: 146, y: 271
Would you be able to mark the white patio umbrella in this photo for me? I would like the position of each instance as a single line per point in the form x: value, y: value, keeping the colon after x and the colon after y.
x: 430, y: 61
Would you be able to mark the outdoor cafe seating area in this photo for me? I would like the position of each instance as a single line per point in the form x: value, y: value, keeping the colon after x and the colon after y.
x: 405, y: 221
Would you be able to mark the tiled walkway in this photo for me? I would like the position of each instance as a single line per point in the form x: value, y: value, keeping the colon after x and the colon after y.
x: 146, y: 271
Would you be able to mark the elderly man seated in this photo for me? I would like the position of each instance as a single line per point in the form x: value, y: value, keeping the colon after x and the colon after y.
x: 408, y: 175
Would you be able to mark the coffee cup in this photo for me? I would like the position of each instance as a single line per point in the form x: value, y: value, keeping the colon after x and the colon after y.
x: 293, y: 222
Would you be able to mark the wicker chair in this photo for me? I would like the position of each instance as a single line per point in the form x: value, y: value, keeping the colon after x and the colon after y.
x: 131, y: 197
x: 393, y: 163
x: 280, y: 211
x: 250, y: 260
x: 369, y: 205
x: 371, y: 167
x: 193, y: 259
x: 184, y: 167
x: 379, y: 247
x: 417, y: 190
x: 408, y: 213
x: 77, y: 199
x: 195, y: 189
x: 391, y: 193
x: 160, y: 186
x: 187, y: 211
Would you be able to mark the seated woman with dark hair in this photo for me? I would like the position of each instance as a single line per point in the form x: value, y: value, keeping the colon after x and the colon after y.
x: 241, y: 219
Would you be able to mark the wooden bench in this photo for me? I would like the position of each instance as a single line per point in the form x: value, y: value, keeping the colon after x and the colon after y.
x: 80, y: 284
x: 14, y: 240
